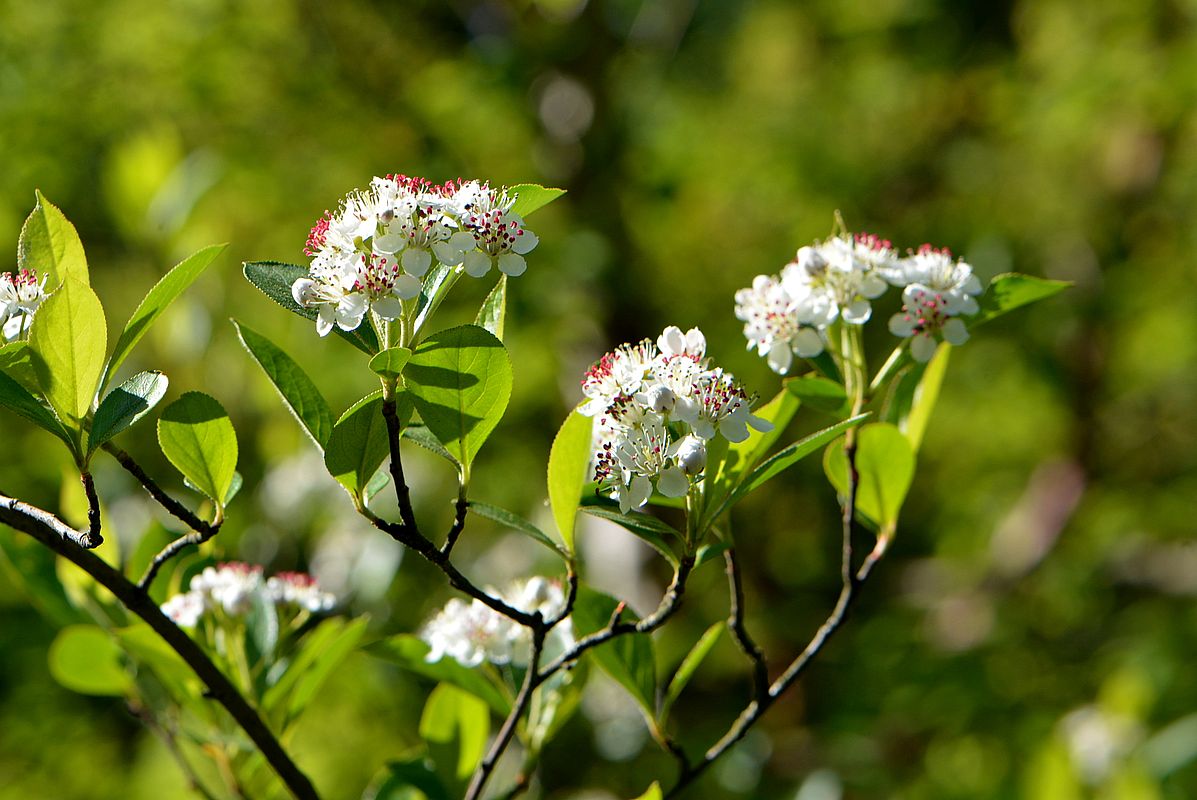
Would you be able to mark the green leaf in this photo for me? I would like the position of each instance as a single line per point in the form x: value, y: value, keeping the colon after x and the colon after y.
x: 690, y: 664
x: 628, y: 659
x: 16, y: 360
x: 410, y: 779
x: 275, y: 280
x: 84, y: 659
x: 126, y: 405
x: 157, y: 300
x: 1011, y: 290
x: 517, y: 523
x: 69, y: 338
x: 411, y: 653
x: 28, y: 565
x: 460, y: 382
x: 437, y: 283
x: 652, y: 530
x: 50, y: 244
x: 569, y: 460
x: 358, y: 445
x: 494, y: 309
x: 328, y: 656
x: 424, y: 438
x: 148, y: 649
x: 652, y: 793
x: 740, y: 457
x: 885, y: 466
x: 299, y: 394
x: 14, y: 397
x: 821, y: 394
x: 390, y: 362
x: 197, y: 437
x: 925, y: 395
x: 457, y: 723
x: 531, y: 196
x: 789, y: 456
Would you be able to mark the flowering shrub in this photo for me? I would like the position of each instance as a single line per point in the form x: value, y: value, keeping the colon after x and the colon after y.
x: 658, y: 424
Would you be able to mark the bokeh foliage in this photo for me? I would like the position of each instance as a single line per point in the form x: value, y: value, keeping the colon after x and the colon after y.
x: 1043, y: 562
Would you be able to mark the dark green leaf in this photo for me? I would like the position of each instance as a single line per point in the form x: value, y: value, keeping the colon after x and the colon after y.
x: 275, y: 280
x: 628, y: 659
x: 358, y: 445
x: 125, y: 405
x: 197, y: 437
x: 1011, y: 290
x: 411, y: 653
x: 493, y: 312
x: 157, y: 300
x: 925, y: 395
x: 459, y: 381
x: 299, y: 394
x: 424, y: 438
x: 14, y: 397
x: 821, y: 394
x: 84, y: 659
x: 741, y: 457
x: 437, y: 283
x: 410, y: 779
x: 531, y: 196
x: 652, y: 530
x: 516, y: 523
x: 569, y: 460
x: 50, y: 244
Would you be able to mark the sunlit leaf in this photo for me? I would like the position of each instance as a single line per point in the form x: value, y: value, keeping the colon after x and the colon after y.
x: 390, y: 362
x: 358, y: 444
x: 126, y: 405
x: 819, y: 393
x: 628, y: 659
x: 50, y: 244
x: 690, y: 664
x: 493, y: 312
x: 14, y: 397
x: 532, y: 196
x: 84, y: 659
x: 1011, y: 290
x: 569, y: 459
x: 300, y: 395
x: 457, y: 722
x: 69, y: 339
x: 885, y: 467
x: 411, y: 653
x: 197, y: 437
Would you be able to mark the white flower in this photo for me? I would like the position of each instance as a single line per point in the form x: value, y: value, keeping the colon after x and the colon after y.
x: 299, y: 589
x: 937, y: 289
x: 471, y: 633
x: 185, y: 609
x: 20, y: 295
x: 723, y: 405
x: 230, y: 586
x: 692, y: 455
x: 829, y: 279
x: 639, y: 452
x: 233, y: 589
x: 491, y: 235
x: 777, y: 325
x: 672, y: 342
x: 620, y: 372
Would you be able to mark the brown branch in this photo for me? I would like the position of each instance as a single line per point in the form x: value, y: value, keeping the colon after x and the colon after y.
x: 93, y: 537
x: 503, y: 739
x: 739, y: 631
x: 64, y: 540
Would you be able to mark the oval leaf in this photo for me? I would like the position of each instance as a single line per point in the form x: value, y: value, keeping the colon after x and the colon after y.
x: 69, y: 337
x: 455, y: 724
x: 531, y: 196
x: 819, y: 393
x: 390, y: 362
x: 84, y: 659
x: 14, y: 397
x: 652, y: 530
x: 1012, y: 290
x: 157, y: 300
x: 358, y: 445
x: 197, y: 437
x: 300, y: 395
x: 885, y: 466
x: 460, y: 381
x: 493, y: 312
x: 569, y: 461
x: 16, y: 359
x: 125, y: 405
x: 517, y: 523
x: 275, y: 280
x: 50, y: 244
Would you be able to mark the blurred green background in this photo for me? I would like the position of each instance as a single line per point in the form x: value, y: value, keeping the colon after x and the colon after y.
x: 1032, y: 633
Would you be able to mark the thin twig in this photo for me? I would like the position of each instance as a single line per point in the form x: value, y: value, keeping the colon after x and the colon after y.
x: 64, y: 540
x: 486, y: 767
x: 762, y: 701
x: 459, y: 519
x: 171, y: 550
x: 94, y: 538
x: 739, y: 631
x: 402, y: 492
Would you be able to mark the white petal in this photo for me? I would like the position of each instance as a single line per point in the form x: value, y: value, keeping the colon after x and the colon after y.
x: 922, y: 347
x: 703, y: 427
x: 325, y: 319
x: 733, y: 429
x: 672, y: 342
x: 807, y: 343
x: 780, y: 357
x: 759, y: 424
x: 391, y: 242
x: 350, y: 311
x: 696, y: 343
x: 639, y: 491
x: 407, y: 287
x: 972, y: 285
x: 525, y: 242
x: 968, y: 305
x: 954, y: 332
x: 857, y: 313
x: 447, y: 254
x: 463, y: 241
x: 902, y: 325
x: 301, y: 290
x: 872, y: 286
x: 388, y: 307
x: 512, y: 264
x: 673, y: 483
x: 476, y: 263
x: 416, y: 262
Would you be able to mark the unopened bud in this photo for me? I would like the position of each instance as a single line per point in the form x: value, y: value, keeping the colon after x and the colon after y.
x: 692, y: 455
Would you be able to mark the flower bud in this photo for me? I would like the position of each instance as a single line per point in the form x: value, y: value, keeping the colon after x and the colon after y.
x: 661, y: 399
x: 692, y: 455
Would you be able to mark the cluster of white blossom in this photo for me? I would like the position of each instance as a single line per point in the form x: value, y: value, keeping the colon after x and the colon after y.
x: 233, y: 588
x: 371, y: 254
x: 471, y: 633
x: 788, y: 315
x: 20, y: 295
x: 656, y: 407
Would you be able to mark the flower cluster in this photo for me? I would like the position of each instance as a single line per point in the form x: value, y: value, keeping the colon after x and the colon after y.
x: 20, y: 295
x: 788, y: 315
x: 471, y: 633
x: 371, y: 254
x: 657, y: 405
x: 234, y: 587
